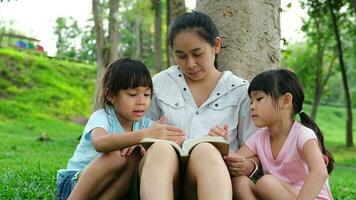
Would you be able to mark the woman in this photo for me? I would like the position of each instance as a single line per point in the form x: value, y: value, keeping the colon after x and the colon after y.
x: 195, y: 96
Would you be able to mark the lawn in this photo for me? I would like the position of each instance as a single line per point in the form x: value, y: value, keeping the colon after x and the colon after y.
x: 40, y: 100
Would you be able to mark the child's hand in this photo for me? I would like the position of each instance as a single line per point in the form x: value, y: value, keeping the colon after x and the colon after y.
x: 219, y: 131
x: 127, y: 151
x: 238, y: 165
x: 159, y: 130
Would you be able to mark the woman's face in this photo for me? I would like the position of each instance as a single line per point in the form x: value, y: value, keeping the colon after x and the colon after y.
x: 194, y: 56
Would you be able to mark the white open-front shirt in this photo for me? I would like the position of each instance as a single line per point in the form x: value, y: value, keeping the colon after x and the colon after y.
x: 228, y: 103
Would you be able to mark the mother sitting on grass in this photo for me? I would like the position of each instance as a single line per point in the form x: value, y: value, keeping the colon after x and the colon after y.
x: 191, y: 95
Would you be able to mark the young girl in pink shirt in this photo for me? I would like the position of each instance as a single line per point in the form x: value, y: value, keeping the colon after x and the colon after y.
x: 294, y: 159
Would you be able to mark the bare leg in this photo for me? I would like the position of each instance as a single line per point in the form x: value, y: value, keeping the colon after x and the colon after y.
x: 270, y: 187
x: 159, y: 171
x: 120, y: 187
x: 98, y: 175
x: 243, y: 188
x: 207, y: 174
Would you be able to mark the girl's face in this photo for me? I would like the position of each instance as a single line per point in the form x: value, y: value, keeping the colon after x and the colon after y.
x: 263, y: 109
x: 131, y: 104
x: 194, y: 56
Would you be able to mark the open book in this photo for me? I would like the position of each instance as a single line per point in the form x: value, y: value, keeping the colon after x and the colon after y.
x: 188, y: 145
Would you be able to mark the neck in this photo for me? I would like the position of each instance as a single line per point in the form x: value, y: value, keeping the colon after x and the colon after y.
x: 125, y: 124
x: 280, y: 129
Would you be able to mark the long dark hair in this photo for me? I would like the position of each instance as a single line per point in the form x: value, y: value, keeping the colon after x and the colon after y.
x: 195, y: 21
x: 278, y: 82
x: 123, y: 74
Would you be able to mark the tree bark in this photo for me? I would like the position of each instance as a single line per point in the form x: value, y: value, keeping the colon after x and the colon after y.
x: 174, y: 9
x: 157, y: 6
x: 114, y: 35
x: 106, y: 48
x: 349, y: 140
x: 318, y: 69
x: 250, y: 32
x: 137, y: 32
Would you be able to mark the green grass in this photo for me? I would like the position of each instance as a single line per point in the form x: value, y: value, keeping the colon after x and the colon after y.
x: 42, y: 96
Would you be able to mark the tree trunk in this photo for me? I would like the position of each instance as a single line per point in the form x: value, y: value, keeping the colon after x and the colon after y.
x: 157, y: 6
x: 137, y: 39
x: 106, y: 49
x: 250, y: 32
x: 114, y: 35
x: 318, y: 70
x: 349, y: 140
x: 174, y: 9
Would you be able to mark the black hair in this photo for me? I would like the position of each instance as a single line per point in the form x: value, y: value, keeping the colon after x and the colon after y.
x: 195, y: 21
x: 123, y: 74
x: 278, y: 82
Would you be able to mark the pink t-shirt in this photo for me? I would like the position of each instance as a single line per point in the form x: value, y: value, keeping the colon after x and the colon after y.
x: 289, y: 165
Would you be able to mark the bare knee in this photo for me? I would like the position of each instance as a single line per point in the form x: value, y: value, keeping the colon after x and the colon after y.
x: 241, y: 183
x: 207, y: 154
x: 264, y: 183
x: 160, y: 152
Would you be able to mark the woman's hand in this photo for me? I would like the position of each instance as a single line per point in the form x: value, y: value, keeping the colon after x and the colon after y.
x: 239, y: 165
x: 219, y: 131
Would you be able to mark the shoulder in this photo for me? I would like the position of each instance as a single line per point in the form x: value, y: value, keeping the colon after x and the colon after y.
x: 234, y: 83
x: 230, y: 78
x: 303, y: 133
x: 303, y: 130
x: 98, y: 114
x: 167, y: 74
x: 168, y: 81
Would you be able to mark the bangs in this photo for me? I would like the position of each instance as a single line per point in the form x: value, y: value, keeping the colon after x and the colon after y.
x: 137, y: 80
x: 264, y: 82
x: 127, y: 75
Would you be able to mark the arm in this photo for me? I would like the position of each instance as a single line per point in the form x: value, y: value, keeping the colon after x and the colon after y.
x: 103, y: 142
x: 242, y: 162
x: 317, y: 171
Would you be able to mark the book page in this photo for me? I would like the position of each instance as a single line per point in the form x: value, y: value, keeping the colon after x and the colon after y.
x: 220, y: 143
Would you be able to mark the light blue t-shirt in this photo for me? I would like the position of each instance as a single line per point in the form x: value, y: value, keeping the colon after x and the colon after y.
x: 85, y: 151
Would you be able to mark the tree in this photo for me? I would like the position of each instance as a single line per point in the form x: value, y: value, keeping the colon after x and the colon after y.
x: 319, y: 37
x: 174, y: 9
x: 250, y: 32
x: 157, y: 7
x: 106, y: 46
x: 67, y: 32
x: 349, y: 141
x: 74, y: 41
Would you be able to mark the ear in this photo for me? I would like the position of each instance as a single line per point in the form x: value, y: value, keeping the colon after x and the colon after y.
x: 286, y: 100
x: 217, y: 46
x: 108, y: 95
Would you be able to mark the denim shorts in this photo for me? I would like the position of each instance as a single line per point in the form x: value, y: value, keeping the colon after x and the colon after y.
x: 65, y: 183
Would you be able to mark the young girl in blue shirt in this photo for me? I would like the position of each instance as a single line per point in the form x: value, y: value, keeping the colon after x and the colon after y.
x: 106, y: 156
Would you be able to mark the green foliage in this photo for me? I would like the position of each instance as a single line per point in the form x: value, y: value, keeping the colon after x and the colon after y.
x: 319, y: 50
x: 74, y: 41
x: 136, y: 33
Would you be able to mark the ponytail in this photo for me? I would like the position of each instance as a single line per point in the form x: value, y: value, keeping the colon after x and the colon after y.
x: 308, y: 122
